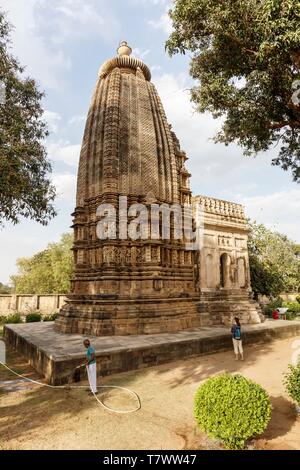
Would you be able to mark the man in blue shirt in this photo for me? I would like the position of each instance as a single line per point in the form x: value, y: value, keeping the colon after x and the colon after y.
x: 91, y: 366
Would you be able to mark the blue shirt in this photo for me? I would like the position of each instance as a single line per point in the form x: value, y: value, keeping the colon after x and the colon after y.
x: 89, y: 352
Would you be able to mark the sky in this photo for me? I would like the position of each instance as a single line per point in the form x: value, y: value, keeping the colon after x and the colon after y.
x: 63, y: 43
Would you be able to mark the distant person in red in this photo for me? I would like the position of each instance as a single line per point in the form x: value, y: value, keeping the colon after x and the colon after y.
x: 275, y: 314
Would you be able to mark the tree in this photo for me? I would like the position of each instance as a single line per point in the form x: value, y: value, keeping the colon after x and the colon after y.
x: 274, y: 266
x: 4, y: 289
x: 47, y: 272
x: 25, y: 187
x: 297, y: 250
x: 246, y: 56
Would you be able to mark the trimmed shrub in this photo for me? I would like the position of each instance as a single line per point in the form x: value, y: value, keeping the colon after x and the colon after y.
x: 51, y: 317
x: 33, y: 317
x: 290, y: 315
x: 292, y: 382
x: 232, y: 408
x: 271, y: 306
x: 298, y: 299
x: 13, y: 318
x: 293, y: 307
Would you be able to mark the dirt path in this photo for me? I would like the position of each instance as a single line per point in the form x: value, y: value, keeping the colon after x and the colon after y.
x: 41, y: 418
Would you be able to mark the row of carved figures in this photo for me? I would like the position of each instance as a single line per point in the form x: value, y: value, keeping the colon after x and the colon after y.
x: 134, y: 255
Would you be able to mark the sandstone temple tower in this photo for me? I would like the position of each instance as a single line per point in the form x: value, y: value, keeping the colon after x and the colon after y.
x: 123, y: 286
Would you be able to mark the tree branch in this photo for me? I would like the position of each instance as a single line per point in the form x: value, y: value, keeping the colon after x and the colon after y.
x: 279, y: 125
x: 240, y: 43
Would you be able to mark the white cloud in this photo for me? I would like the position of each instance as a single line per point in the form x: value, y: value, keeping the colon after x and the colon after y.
x: 194, y: 130
x: 155, y: 68
x: 279, y: 211
x: 149, y: 2
x: 43, y: 30
x: 77, y: 119
x: 65, y: 186
x: 163, y: 23
x: 52, y: 118
x: 139, y: 53
x: 75, y: 19
x: 31, y: 48
x: 64, y: 151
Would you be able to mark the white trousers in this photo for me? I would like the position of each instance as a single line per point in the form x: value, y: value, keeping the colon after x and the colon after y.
x: 237, y: 346
x: 92, y: 376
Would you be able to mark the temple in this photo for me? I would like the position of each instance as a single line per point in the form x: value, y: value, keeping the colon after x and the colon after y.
x: 124, y: 286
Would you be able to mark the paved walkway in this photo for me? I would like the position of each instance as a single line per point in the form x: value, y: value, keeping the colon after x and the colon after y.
x: 59, y: 346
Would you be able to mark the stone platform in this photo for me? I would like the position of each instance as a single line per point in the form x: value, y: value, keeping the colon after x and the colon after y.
x: 55, y: 355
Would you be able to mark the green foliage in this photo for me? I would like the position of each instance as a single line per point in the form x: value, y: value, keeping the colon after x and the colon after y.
x: 290, y: 316
x: 13, y: 318
x: 47, y: 272
x: 4, y: 289
x: 274, y: 267
x: 293, y: 307
x: 292, y: 382
x: 25, y: 186
x: 232, y: 408
x: 246, y: 58
x: 297, y: 249
x: 51, y: 317
x: 298, y: 299
x: 271, y: 306
x: 33, y: 317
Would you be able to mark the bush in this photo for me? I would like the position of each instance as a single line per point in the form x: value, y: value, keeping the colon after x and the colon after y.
x: 292, y: 382
x: 51, y: 317
x: 271, y: 306
x: 232, y: 408
x: 13, y: 318
x: 298, y: 299
x: 33, y: 317
x: 290, y: 315
x: 293, y: 307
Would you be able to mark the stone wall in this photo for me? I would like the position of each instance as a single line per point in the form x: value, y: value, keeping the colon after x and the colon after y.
x: 27, y: 303
x: 289, y: 296
x: 286, y: 297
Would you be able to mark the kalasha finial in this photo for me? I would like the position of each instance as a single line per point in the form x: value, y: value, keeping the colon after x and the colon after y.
x: 124, y: 49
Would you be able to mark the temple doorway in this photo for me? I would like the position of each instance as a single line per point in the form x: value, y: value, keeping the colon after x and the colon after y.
x: 224, y: 270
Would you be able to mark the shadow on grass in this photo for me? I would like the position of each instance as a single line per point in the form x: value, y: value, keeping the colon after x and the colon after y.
x: 31, y: 410
x: 19, y: 364
x: 23, y: 412
x: 196, y: 369
x: 282, y: 420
